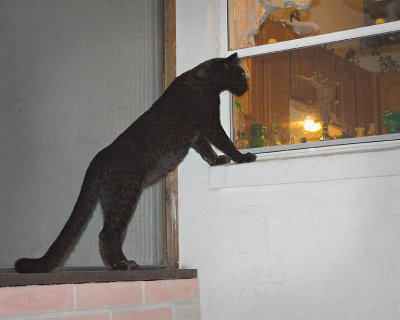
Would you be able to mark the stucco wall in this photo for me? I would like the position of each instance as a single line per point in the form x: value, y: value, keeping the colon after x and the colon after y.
x: 312, y: 234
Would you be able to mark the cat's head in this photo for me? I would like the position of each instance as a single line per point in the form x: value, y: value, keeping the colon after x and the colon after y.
x: 224, y: 74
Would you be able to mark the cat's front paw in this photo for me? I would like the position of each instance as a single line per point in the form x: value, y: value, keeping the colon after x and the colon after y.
x: 223, y: 159
x: 248, y: 157
x: 125, y: 265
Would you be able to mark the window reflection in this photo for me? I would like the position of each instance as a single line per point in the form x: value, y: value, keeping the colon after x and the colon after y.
x: 302, y: 18
x: 343, y: 90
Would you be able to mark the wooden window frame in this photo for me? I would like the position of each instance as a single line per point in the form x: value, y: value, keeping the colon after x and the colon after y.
x: 171, y: 181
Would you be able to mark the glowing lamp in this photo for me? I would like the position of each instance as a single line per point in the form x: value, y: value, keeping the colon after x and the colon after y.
x: 311, y: 126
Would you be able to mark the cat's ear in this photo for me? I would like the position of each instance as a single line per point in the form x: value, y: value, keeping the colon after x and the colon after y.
x: 231, y: 60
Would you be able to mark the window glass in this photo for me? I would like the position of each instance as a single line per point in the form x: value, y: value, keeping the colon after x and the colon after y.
x: 343, y: 90
x: 258, y: 22
x: 62, y: 101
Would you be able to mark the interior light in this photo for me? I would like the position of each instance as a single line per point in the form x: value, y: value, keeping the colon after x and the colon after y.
x: 311, y: 126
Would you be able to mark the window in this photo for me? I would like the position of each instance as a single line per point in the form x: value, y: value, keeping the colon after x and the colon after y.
x: 59, y: 111
x: 337, y: 83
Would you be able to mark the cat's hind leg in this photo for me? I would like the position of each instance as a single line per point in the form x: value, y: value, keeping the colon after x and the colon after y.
x: 118, y: 204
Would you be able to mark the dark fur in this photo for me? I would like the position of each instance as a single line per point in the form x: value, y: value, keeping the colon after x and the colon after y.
x: 185, y: 116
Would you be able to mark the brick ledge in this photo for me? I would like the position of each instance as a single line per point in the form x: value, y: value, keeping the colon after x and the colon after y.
x: 9, y: 278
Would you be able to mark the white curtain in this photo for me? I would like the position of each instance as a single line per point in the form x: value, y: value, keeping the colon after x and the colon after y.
x: 249, y: 15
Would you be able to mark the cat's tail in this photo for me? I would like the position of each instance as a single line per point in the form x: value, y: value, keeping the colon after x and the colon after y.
x: 83, y: 209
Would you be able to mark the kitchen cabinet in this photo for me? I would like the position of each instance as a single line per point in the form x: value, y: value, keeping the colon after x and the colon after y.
x: 388, y: 86
x: 271, y: 30
x: 325, y: 63
x: 366, y: 98
x: 346, y: 109
x: 356, y: 96
x: 302, y: 64
x: 389, y: 91
x: 269, y: 91
x: 276, y: 79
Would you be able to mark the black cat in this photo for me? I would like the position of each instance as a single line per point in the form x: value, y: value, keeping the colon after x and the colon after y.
x: 186, y: 116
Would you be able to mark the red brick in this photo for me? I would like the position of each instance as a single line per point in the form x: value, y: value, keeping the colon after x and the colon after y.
x: 36, y: 299
x: 171, y: 290
x: 113, y: 294
x: 86, y: 317
x: 158, y: 314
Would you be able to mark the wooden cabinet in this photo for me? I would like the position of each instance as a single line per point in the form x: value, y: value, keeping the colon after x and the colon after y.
x: 302, y: 64
x: 347, y: 104
x: 388, y: 86
x: 325, y: 63
x: 356, y: 105
x: 277, y: 78
x: 365, y: 95
x: 389, y: 91
x: 273, y: 30
x: 305, y: 63
x: 269, y: 91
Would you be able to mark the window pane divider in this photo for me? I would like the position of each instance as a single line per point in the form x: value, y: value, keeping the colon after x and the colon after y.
x: 318, y: 40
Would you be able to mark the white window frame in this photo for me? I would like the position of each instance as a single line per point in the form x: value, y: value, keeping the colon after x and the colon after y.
x: 226, y: 98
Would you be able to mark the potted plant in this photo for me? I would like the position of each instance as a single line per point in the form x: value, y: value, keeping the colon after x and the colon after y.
x: 325, y: 99
x: 274, y: 130
x: 391, y: 119
x: 257, y: 139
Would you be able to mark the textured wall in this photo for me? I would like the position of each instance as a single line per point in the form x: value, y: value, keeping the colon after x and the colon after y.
x: 74, y: 74
x: 297, y: 235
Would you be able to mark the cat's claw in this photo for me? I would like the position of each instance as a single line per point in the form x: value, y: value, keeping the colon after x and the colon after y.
x: 133, y: 265
x: 125, y: 265
x: 249, y: 157
x: 223, y: 159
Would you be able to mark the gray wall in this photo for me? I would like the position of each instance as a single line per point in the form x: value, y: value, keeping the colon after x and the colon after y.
x: 73, y: 75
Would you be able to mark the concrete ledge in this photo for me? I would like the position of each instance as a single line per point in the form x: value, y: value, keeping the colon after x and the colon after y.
x: 310, y: 165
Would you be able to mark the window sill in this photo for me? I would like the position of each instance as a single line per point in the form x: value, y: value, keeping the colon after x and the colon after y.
x: 8, y: 277
x: 349, y: 145
x: 311, y: 164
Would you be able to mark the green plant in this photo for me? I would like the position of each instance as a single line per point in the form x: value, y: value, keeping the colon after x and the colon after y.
x: 274, y: 129
x: 238, y: 105
x: 391, y: 115
x: 239, y: 125
x: 257, y: 135
x: 391, y: 120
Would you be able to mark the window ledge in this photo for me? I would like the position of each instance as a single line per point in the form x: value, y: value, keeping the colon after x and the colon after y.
x: 312, y: 164
x: 351, y: 145
x: 8, y: 277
